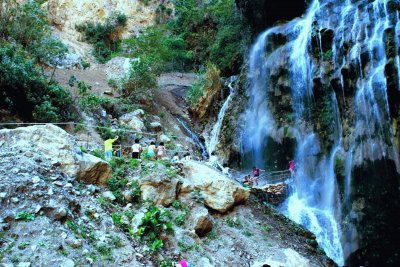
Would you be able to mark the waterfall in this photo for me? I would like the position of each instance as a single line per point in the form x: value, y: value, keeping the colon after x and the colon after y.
x: 195, y: 137
x: 212, y: 144
x: 301, y: 76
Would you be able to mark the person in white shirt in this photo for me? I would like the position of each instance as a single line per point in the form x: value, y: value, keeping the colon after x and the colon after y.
x: 175, y: 158
x: 136, y: 149
x: 187, y: 156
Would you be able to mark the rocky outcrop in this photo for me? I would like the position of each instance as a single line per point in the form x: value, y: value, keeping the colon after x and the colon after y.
x: 92, y: 170
x: 160, y: 189
x: 219, y: 192
x: 211, y: 88
x: 133, y: 120
x: 200, y: 221
x: 53, y: 143
x: 65, y: 14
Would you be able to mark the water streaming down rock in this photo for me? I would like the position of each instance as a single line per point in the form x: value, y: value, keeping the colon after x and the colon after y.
x: 195, y: 137
x: 322, y: 81
x: 213, y: 141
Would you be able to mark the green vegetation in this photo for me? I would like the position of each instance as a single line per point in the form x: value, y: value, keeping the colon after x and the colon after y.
x: 197, y: 196
x: 267, y: 228
x: 25, y: 216
x: 180, y: 219
x: 209, y: 81
x: 136, y: 193
x: 154, y: 224
x: 105, y: 37
x: 26, y: 91
x: 213, y: 31
x: 188, y: 247
x: 233, y: 222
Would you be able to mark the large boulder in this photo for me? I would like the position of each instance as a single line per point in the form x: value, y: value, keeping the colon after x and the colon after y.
x: 220, y: 193
x: 92, y: 170
x: 200, y: 221
x: 132, y: 121
x: 158, y: 188
x: 53, y: 143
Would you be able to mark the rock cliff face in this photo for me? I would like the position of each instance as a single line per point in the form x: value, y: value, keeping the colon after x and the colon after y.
x: 65, y: 14
x: 264, y: 13
x: 324, y: 89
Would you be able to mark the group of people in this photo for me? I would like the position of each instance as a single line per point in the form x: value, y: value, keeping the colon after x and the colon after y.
x: 153, y: 152
x: 249, y: 180
x: 176, y: 158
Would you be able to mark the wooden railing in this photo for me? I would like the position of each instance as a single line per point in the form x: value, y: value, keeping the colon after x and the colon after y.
x: 276, y: 177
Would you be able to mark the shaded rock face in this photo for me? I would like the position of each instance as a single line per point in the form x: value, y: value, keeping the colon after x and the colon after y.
x: 53, y: 143
x: 264, y: 13
x: 372, y: 211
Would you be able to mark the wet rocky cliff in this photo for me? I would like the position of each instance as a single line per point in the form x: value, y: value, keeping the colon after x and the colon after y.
x: 323, y: 89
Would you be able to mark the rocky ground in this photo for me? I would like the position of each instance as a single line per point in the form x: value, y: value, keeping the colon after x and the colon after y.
x: 58, y: 210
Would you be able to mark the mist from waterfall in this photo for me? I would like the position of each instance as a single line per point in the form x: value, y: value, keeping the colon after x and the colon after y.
x: 360, y: 27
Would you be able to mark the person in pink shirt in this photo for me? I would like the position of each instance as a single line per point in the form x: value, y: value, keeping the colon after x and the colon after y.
x: 291, y: 167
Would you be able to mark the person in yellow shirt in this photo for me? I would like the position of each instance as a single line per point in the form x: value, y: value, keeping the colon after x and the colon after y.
x: 108, y: 148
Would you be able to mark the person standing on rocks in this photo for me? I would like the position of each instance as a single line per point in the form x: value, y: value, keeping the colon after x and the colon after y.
x: 151, y: 150
x: 256, y: 174
x: 136, y: 149
x: 175, y: 158
x: 291, y: 167
x: 108, y: 148
x: 161, y: 151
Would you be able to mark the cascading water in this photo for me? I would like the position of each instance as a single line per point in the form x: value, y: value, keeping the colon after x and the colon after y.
x: 194, y: 137
x: 212, y: 143
x: 310, y: 77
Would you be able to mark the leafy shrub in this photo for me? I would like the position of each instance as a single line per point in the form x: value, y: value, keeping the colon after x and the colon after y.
x: 195, y: 92
x: 142, y: 79
x: 26, y: 91
x: 25, y: 216
x: 153, y: 225
x: 233, y: 222
x: 135, y: 193
x: 27, y: 23
x: 177, y: 204
x: 180, y: 219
